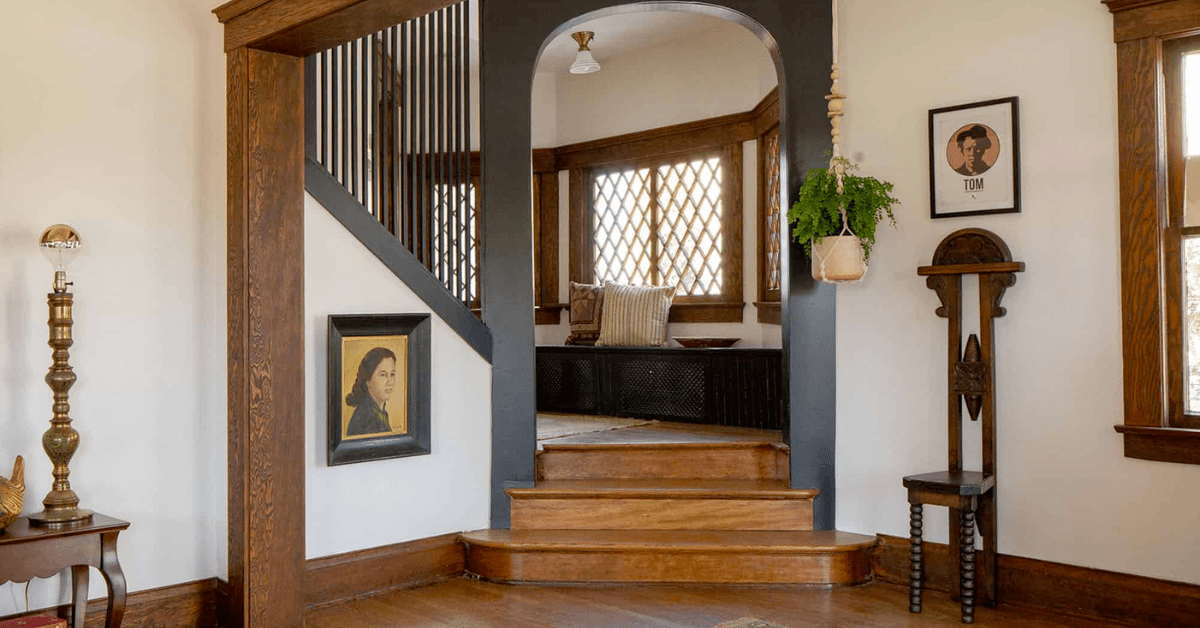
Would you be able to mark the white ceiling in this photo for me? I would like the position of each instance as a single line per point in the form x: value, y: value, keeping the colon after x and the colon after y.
x: 627, y: 33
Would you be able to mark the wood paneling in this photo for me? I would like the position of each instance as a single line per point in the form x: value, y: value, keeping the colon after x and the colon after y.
x: 768, y: 312
x: 266, y: 338
x: 547, y: 239
x: 743, y: 557
x: 1093, y: 593
x: 713, y: 461
x: 301, y: 27
x: 1142, y: 199
x: 338, y: 578
x: 188, y: 605
x: 667, y: 140
x: 1138, y: 20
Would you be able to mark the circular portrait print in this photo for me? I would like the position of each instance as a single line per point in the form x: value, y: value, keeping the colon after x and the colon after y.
x: 973, y: 150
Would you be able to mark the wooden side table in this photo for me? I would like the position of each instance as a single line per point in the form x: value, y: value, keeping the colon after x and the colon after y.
x: 28, y: 552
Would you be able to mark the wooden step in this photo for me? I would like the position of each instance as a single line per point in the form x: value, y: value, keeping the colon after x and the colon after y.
x: 661, y: 505
x: 680, y: 556
x: 699, y: 461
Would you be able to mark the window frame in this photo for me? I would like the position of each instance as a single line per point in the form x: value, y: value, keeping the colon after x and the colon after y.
x: 1150, y: 138
x: 725, y: 307
x: 766, y: 123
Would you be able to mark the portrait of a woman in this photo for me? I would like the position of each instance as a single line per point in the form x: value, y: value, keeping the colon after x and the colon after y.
x: 373, y: 388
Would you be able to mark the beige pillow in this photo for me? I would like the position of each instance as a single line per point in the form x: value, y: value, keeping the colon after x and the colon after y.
x: 635, y: 316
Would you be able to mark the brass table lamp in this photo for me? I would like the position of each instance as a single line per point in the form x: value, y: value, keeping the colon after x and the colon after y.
x: 60, y: 244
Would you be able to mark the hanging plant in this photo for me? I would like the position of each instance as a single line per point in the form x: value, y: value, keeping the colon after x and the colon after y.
x: 817, y: 212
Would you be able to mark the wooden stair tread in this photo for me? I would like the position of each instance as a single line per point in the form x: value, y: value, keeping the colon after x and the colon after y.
x: 547, y: 446
x: 619, y: 488
x: 676, y: 541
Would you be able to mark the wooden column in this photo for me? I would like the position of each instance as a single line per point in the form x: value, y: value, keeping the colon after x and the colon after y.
x: 266, y: 333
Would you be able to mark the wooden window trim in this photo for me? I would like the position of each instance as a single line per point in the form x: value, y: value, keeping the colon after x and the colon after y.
x: 547, y: 308
x: 766, y: 121
x: 1149, y: 319
x: 727, y: 307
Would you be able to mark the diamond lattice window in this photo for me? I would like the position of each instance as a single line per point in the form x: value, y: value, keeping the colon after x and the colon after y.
x: 456, y: 241
x: 662, y: 225
x: 774, y: 217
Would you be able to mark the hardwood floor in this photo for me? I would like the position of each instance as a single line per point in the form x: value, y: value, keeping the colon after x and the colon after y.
x: 465, y: 603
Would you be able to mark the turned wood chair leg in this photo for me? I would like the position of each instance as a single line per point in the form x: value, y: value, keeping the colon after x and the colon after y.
x: 914, y: 582
x: 967, y: 566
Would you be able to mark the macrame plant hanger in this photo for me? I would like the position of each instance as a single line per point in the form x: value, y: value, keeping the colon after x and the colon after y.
x: 836, y: 110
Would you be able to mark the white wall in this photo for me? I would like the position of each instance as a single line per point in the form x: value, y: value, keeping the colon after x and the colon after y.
x: 700, y: 75
x: 116, y: 126
x: 1066, y: 493
x: 389, y: 501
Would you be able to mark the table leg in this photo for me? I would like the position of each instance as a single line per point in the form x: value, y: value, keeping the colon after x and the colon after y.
x: 967, y: 567
x: 79, y: 595
x: 114, y: 578
x: 914, y: 583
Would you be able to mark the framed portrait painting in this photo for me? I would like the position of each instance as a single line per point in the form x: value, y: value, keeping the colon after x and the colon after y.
x: 974, y: 159
x: 378, y: 387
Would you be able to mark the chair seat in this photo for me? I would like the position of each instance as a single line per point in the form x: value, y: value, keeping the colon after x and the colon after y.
x: 951, y: 482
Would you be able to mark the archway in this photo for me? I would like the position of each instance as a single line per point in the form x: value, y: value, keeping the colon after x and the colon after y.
x: 513, y: 37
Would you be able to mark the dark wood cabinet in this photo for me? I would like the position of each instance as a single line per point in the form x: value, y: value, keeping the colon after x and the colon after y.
x: 727, y: 386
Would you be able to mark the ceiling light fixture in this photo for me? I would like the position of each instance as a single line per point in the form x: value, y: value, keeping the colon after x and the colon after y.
x: 585, y: 63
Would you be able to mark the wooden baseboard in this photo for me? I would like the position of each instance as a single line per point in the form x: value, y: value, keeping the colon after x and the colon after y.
x: 367, y: 572
x: 205, y: 603
x: 188, y: 605
x: 1080, y: 591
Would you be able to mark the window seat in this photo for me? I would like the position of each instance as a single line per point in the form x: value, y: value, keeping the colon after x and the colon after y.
x: 727, y: 386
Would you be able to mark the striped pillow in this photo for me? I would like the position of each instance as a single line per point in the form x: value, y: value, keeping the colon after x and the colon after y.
x: 635, y: 316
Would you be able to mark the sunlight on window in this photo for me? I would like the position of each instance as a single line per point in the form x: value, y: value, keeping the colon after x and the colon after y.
x: 1191, y: 102
x: 661, y: 226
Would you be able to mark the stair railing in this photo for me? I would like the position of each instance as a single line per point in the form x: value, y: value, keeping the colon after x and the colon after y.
x: 389, y: 137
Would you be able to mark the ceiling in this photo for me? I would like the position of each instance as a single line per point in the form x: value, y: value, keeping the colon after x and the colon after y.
x: 626, y: 33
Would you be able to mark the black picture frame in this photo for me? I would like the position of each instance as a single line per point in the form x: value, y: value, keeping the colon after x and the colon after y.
x: 410, y: 331
x: 962, y: 185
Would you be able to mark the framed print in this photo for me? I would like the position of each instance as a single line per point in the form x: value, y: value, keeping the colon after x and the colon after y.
x: 974, y: 159
x: 378, y: 387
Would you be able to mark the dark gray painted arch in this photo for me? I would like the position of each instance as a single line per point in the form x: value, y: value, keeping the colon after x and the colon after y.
x: 512, y: 35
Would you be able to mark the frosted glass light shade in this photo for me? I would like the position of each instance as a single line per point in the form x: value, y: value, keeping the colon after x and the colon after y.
x: 585, y: 63
x: 60, y: 244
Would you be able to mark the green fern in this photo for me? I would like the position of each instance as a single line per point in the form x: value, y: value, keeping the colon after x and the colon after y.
x: 817, y: 211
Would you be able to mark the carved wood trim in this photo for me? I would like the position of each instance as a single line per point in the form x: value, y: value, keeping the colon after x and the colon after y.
x: 997, y: 284
x: 946, y: 288
x: 971, y: 246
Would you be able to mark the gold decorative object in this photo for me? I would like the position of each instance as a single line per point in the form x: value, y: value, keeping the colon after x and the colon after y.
x: 60, y: 244
x: 12, y: 494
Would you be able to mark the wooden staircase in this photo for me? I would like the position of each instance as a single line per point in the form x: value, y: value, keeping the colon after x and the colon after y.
x: 666, y: 512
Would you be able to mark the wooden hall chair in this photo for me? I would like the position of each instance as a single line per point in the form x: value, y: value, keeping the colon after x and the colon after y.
x: 969, y: 495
